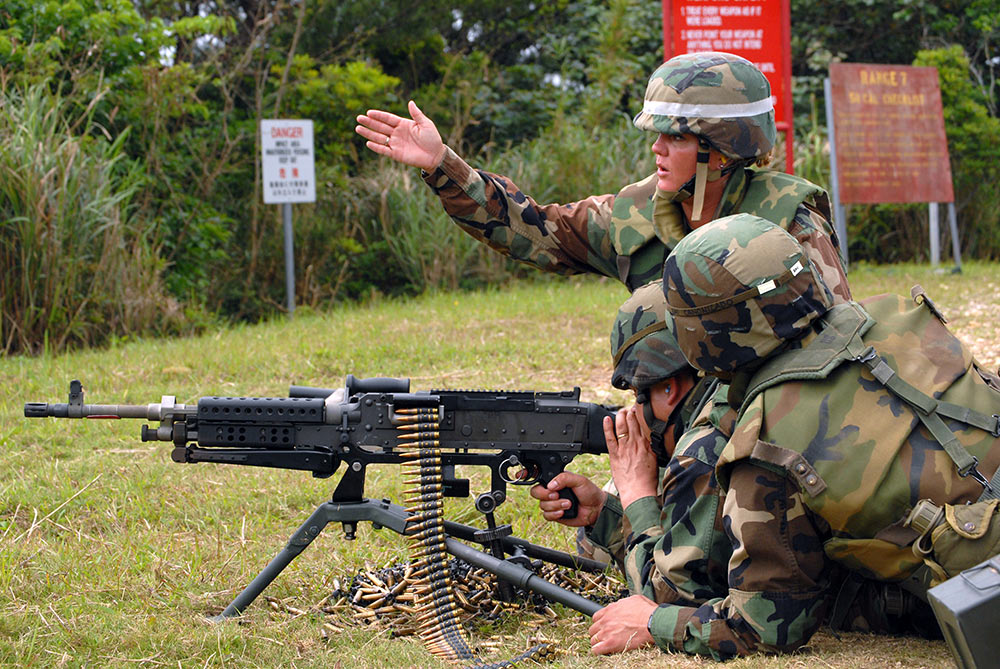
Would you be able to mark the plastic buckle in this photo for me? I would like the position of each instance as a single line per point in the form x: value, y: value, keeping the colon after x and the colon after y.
x: 996, y: 428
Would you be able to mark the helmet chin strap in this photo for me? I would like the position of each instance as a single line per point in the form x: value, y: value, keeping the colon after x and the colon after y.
x: 700, y: 179
x: 696, y: 185
x: 657, y: 427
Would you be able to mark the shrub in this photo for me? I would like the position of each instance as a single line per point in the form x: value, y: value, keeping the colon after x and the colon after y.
x: 75, y: 268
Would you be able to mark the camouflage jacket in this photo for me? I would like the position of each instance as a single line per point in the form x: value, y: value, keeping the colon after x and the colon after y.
x: 620, y: 235
x: 674, y: 546
x: 825, y: 463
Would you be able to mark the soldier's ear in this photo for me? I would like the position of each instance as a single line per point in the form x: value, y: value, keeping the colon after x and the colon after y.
x: 717, y: 161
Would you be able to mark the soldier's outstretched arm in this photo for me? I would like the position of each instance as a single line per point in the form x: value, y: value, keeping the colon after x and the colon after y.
x: 568, y: 238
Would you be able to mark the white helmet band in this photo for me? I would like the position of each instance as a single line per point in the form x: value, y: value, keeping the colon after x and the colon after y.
x: 660, y: 108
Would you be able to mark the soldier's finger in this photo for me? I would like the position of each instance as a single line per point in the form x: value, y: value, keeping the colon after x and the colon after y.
x: 415, y: 112
x: 379, y: 148
x: 387, y: 119
x: 541, y: 492
x: 553, y: 506
x: 621, y: 427
x: 369, y: 134
x: 609, y: 435
x: 632, y: 423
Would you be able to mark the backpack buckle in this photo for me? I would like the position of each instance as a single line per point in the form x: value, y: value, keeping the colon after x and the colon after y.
x: 974, y: 473
x: 867, y: 355
x: 996, y: 428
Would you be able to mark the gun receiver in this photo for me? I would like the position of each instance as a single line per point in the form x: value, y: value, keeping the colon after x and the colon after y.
x: 524, y: 437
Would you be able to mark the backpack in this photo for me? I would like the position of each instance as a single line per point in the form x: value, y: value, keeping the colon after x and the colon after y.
x: 893, y: 340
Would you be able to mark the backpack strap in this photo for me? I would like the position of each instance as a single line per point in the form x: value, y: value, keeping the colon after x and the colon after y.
x: 990, y: 492
x: 839, y: 342
x: 929, y: 411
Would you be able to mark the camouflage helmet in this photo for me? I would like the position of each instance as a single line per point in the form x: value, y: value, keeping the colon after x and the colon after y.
x: 643, y: 346
x: 719, y: 97
x: 739, y: 289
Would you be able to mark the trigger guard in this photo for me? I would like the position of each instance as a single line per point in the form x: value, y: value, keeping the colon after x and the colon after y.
x: 504, y: 470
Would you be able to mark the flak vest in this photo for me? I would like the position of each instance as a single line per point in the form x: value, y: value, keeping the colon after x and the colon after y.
x: 645, y: 229
x: 882, y: 409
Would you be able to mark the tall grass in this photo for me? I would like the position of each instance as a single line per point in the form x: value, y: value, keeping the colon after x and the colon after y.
x: 74, y: 267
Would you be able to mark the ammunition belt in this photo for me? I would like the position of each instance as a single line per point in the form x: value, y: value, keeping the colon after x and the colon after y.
x: 435, y: 595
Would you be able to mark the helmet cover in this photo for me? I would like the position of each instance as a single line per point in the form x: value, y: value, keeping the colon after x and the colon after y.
x: 643, y: 346
x: 739, y: 289
x: 719, y: 97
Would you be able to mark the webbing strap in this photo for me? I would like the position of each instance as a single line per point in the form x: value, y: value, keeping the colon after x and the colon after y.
x: 966, y: 415
x: 648, y: 330
x: 992, y: 491
x: 929, y: 412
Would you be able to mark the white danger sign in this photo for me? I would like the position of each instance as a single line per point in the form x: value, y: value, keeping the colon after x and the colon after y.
x: 287, y: 161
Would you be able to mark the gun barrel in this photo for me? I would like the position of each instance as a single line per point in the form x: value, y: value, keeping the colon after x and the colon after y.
x: 62, y: 410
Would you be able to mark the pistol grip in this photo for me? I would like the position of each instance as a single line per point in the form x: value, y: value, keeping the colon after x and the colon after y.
x: 574, y: 503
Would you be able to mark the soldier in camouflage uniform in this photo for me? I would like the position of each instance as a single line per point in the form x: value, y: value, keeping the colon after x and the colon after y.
x: 713, y: 116
x: 848, y: 415
x: 669, y: 538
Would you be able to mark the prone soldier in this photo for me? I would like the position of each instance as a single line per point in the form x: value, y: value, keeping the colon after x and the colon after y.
x: 849, y: 415
x: 664, y: 525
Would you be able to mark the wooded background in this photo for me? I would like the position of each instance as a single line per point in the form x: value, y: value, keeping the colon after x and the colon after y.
x: 130, y: 197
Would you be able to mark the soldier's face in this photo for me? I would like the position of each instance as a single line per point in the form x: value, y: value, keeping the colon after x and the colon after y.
x: 676, y: 158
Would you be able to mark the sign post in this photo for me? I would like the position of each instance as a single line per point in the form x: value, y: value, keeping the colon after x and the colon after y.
x: 888, y: 143
x: 758, y: 30
x: 289, y: 175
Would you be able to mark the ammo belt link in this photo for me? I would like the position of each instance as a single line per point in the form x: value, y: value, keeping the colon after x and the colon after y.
x: 438, y: 611
x: 929, y: 411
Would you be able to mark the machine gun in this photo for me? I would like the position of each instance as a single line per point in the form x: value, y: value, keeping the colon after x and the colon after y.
x: 524, y: 437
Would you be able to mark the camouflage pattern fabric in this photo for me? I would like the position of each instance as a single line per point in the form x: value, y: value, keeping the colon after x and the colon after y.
x: 778, y: 576
x: 674, y: 547
x: 740, y: 288
x: 617, y: 235
x: 679, y: 550
x: 718, y: 96
x: 643, y: 347
x: 606, y: 540
x: 824, y: 462
x: 861, y: 454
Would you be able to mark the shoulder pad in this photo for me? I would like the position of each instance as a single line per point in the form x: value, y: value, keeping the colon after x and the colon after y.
x: 776, y: 196
x: 632, y: 216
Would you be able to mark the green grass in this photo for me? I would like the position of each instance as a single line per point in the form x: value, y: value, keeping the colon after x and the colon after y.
x: 111, y: 555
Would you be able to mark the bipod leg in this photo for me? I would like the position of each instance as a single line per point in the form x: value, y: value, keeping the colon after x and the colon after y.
x: 522, y: 577
x: 533, y: 551
x: 381, y: 513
